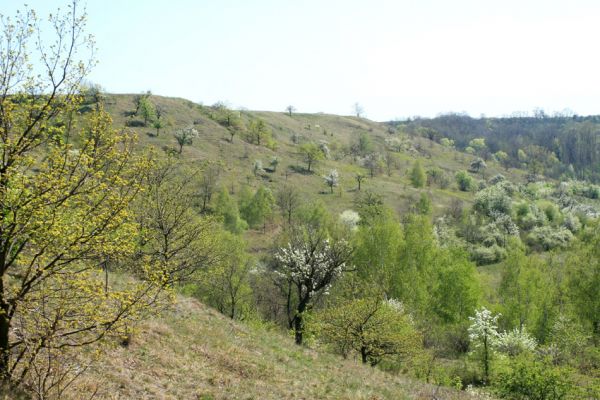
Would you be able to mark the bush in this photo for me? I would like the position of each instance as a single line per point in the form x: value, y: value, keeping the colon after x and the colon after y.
x: 547, y: 238
x: 487, y: 255
x: 465, y: 181
x: 533, y: 380
x: 493, y: 200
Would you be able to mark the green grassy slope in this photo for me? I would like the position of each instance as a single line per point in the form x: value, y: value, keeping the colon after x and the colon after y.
x: 239, y: 157
x: 197, y: 353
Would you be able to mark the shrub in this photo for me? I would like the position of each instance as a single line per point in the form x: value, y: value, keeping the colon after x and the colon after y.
x: 465, y: 181
x: 547, y: 238
x: 533, y: 380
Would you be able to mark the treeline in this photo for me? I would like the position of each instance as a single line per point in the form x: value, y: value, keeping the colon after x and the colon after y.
x: 573, y: 140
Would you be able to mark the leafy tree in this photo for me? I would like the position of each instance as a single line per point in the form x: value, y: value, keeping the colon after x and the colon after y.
x: 147, y: 110
x: 376, y: 329
x: 259, y: 208
x: 185, y: 137
x: 465, y: 181
x: 417, y: 175
x: 227, y: 208
x: 259, y: 132
x: 310, y: 263
x: 288, y: 201
x: 502, y: 158
x: 208, y: 184
x: 378, y: 243
x: 478, y: 144
x: 364, y: 144
x: 423, y: 206
x: 311, y: 154
x: 584, y: 283
x: 332, y: 179
x: 226, y: 285
x: 65, y: 193
x: 176, y: 240
x: 158, y: 124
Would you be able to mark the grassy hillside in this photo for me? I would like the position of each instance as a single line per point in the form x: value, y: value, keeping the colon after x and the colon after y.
x: 239, y: 156
x: 197, y: 353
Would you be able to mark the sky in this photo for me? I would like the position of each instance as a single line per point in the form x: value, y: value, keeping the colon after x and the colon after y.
x: 397, y: 59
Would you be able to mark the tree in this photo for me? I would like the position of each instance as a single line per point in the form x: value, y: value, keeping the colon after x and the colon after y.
x: 311, y: 154
x: 310, y: 263
x: 288, y: 200
x: 208, y: 184
x: 258, y: 208
x: 185, y: 137
x: 465, y: 181
x: 158, y: 124
x: 360, y: 177
x: 478, y: 165
x: 227, y: 208
x: 373, y: 163
x: 147, y: 110
x: 65, y: 193
x: 274, y: 163
x: 502, y: 158
x: 290, y: 109
x: 478, y: 144
x: 259, y: 132
x: 358, y: 110
x: 226, y: 285
x: 483, y: 332
x: 417, y: 175
x: 176, y: 241
x: 423, y: 206
x: 375, y: 328
x: 332, y: 179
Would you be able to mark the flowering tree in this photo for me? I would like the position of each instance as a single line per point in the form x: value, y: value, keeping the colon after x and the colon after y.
x: 483, y: 333
x: 185, y: 137
x: 332, y: 179
x: 310, y: 264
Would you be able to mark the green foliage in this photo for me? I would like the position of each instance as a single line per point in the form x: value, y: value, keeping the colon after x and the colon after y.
x: 225, y: 285
x: 226, y: 207
x: 465, y: 181
x: 423, y: 206
x: 375, y: 329
x: 493, y: 199
x: 311, y: 154
x: 533, y: 380
x: 417, y: 175
x: 259, y: 208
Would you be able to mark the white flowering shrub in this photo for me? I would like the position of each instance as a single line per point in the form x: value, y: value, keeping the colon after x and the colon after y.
x: 493, y: 199
x: 515, y: 342
x: 350, y: 218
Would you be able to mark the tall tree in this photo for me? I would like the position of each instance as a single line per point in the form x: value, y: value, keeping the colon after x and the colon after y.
x: 310, y: 263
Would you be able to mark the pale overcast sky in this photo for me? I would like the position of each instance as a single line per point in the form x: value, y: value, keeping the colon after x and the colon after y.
x: 396, y: 58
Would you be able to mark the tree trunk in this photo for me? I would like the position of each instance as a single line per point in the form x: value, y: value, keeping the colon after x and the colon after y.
x: 298, y: 329
x: 4, y: 336
x: 363, y: 354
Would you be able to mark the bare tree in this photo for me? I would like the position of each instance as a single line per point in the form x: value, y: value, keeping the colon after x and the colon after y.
x: 288, y: 200
x: 358, y: 109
